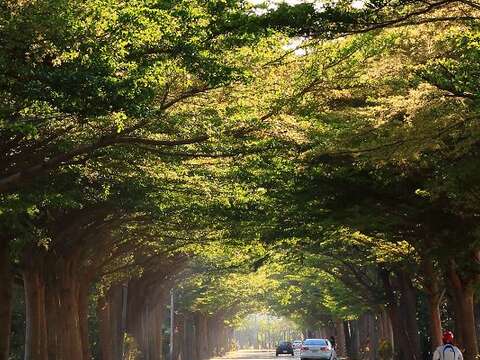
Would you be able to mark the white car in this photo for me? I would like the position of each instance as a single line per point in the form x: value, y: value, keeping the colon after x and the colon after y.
x: 317, y: 349
x: 297, y: 344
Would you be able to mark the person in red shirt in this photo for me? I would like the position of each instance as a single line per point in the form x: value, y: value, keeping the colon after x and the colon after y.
x: 447, y: 351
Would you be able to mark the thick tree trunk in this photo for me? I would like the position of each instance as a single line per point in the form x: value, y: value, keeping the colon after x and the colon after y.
x: 470, y: 335
x: 403, y: 315
x: 52, y: 294
x: 105, y: 329
x: 222, y: 339
x: 136, y: 309
x: 348, y: 338
x: 398, y: 340
x: 69, y: 332
x: 211, y: 335
x: 435, y: 320
x: 362, y: 333
x: 201, y: 326
x: 111, y: 330
x: 463, y: 296
x: 434, y: 299
x: 190, y: 339
x: 178, y: 337
x: 408, y: 304
x: 52, y: 303
x: 82, y: 295
x: 147, y: 300
x: 340, y: 338
x: 385, y: 327
x: 229, y: 338
x: 158, y: 300
x: 144, y: 336
x: 477, y: 314
x: 355, y: 338
x: 6, y: 281
x: 155, y: 324
x: 36, y: 322
x: 366, y: 334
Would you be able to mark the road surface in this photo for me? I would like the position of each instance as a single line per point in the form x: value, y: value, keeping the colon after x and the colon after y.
x: 255, y: 355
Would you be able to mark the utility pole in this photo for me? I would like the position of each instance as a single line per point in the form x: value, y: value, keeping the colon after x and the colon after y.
x: 172, y: 323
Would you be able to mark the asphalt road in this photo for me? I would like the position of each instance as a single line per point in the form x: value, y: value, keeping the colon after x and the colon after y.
x: 255, y: 355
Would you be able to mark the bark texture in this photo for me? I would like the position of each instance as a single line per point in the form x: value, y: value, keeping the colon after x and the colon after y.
x: 463, y: 293
x: 435, y: 295
x: 111, y: 332
x: 6, y: 287
x: 201, y: 327
x: 56, y: 299
x: 408, y: 306
x: 340, y: 338
x: 402, y: 312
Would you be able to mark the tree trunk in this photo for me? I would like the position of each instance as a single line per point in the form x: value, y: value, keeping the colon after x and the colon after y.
x: 6, y: 281
x: 111, y: 332
x: 470, y: 335
x: 403, y: 315
x: 477, y: 315
x: 385, y: 331
x: 348, y: 339
x: 392, y: 311
x: 105, y: 330
x: 155, y: 324
x: 136, y: 308
x: 201, y: 328
x: 82, y: 296
x: 147, y: 300
x: 229, y: 338
x: 36, y: 325
x: 355, y: 333
x: 435, y: 320
x: 212, y: 334
x: 222, y: 339
x: 178, y: 337
x: 52, y: 303
x: 434, y: 299
x: 408, y: 304
x: 365, y: 325
x: 56, y: 307
x: 66, y: 290
x: 399, y: 342
x: 340, y: 339
x: 190, y: 338
x: 463, y: 296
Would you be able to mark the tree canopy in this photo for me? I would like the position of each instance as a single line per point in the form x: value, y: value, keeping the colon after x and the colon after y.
x: 315, y: 161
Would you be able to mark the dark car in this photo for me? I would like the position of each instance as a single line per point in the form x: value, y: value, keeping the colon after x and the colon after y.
x: 285, y: 347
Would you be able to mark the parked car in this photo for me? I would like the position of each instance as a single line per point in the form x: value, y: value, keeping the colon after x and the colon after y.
x: 284, y: 347
x: 297, y: 344
x: 317, y: 349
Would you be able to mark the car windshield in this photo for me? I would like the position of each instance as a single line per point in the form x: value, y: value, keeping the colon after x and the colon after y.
x: 284, y: 343
x: 315, y: 342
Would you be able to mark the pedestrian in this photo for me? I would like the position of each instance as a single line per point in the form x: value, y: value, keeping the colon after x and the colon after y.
x: 447, y: 351
x: 332, y: 341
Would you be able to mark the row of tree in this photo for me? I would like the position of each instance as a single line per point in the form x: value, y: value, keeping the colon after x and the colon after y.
x: 138, y: 135
x: 381, y: 196
x: 108, y: 109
